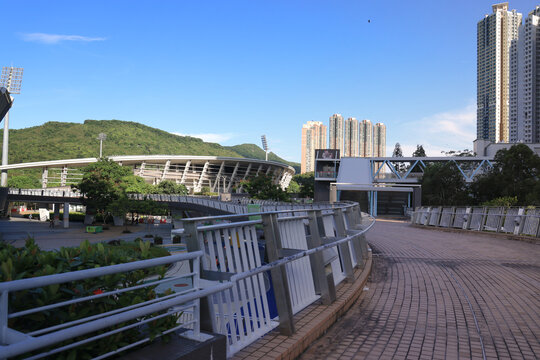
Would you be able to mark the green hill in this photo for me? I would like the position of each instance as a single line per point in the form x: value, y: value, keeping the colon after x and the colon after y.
x: 58, y: 140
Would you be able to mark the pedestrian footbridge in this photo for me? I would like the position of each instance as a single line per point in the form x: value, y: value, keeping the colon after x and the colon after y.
x: 248, y: 274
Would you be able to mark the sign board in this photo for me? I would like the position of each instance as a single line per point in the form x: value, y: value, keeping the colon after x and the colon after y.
x: 327, y: 154
x: 5, y: 102
x: 44, y: 214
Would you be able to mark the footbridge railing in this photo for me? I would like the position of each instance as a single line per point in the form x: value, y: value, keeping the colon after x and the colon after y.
x: 236, y: 206
x: 510, y: 220
x: 246, y: 274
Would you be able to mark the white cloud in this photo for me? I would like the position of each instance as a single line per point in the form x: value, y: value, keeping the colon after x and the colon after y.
x: 451, y: 130
x: 209, y: 137
x: 56, y: 38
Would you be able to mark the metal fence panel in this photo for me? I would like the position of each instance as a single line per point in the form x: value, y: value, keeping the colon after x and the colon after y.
x: 459, y: 217
x: 300, y: 278
x: 477, y: 218
x: 509, y: 223
x: 532, y: 222
x: 434, y: 216
x: 446, y: 217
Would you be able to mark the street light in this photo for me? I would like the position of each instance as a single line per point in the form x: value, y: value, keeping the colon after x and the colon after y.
x: 265, y: 145
x: 101, y: 137
x: 11, y: 79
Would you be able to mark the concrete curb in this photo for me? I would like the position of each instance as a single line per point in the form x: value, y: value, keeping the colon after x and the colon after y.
x: 311, y: 323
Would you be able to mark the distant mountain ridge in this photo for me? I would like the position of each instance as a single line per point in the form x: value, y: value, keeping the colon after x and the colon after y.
x: 61, y: 140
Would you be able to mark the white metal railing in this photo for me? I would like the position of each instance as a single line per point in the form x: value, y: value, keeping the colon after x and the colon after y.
x: 511, y: 220
x: 15, y: 343
x: 302, y: 248
x: 45, y: 192
x: 238, y: 206
x: 244, y: 313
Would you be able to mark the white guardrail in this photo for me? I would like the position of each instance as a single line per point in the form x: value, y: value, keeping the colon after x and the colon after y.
x: 236, y: 206
x: 253, y: 274
x: 511, y: 220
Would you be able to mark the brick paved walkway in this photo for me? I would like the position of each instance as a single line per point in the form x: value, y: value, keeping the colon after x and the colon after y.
x: 435, y: 294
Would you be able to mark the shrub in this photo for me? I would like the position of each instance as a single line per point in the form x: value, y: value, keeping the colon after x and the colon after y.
x: 158, y: 240
x: 30, y: 261
x: 502, y: 201
x: 177, y: 239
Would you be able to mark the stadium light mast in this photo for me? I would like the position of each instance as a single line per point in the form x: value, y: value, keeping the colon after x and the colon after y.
x: 265, y: 145
x: 101, y: 137
x: 11, y: 79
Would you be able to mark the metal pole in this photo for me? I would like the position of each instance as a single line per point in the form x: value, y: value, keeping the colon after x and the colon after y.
x: 5, y: 150
x: 100, y: 148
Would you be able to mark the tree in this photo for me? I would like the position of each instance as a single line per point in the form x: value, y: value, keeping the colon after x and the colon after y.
x: 307, y: 184
x: 397, y: 153
x: 516, y: 173
x: 419, y: 152
x: 23, y: 182
x: 262, y: 187
x: 171, y: 188
x: 443, y: 184
x: 293, y: 188
x: 103, y: 184
x: 459, y: 153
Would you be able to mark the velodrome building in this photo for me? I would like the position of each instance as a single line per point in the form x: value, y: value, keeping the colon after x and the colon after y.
x: 219, y: 174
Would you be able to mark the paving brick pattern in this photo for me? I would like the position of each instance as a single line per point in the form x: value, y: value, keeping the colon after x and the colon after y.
x: 441, y: 295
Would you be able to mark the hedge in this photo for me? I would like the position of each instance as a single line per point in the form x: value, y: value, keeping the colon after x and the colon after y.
x: 31, y: 261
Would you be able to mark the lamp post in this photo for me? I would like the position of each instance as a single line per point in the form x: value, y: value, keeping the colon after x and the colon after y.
x: 11, y: 79
x: 265, y: 145
x: 101, y: 137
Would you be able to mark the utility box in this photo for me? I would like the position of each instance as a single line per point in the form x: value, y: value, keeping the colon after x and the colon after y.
x: 94, y: 229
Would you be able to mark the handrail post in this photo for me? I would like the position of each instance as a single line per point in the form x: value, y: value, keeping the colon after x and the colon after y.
x: 467, y: 218
x: 519, y: 221
x: 207, y: 316
x: 279, y: 274
x: 323, y: 287
x: 344, y: 248
x: 357, y: 240
x: 3, y: 317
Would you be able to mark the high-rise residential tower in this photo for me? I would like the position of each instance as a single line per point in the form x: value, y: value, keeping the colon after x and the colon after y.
x: 379, y: 140
x: 494, y: 36
x: 351, y: 137
x: 366, y: 138
x: 525, y: 81
x: 336, y: 132
x: 313, y: 137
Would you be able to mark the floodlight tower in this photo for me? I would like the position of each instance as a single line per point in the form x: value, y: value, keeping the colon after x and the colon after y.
x: 101, y: 137
x: 11, y: 79
x: 265, y: 145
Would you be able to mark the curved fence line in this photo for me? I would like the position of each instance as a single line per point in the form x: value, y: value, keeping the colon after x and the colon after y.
x: 510, y: 220
x: 252, y: 275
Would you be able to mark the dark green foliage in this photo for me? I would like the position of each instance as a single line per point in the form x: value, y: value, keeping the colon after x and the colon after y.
x: 74, y: 140
x: 307, y: 184
x: 261, y: 187
x: 459, y: 153
x: 104, y: 186
x: 23, y: 182
x: 514, y: 180
x: 443, y: 184
x: 502, y: 201
x: 419, y: 152
x: 30, y: 261
x: 516, y: 173
x: 397, y: 153
x: 294, y: 187
x: 170, y: 187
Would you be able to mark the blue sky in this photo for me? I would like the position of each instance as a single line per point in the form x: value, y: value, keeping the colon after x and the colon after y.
x: 230, y: 71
